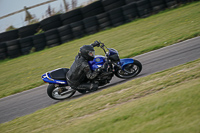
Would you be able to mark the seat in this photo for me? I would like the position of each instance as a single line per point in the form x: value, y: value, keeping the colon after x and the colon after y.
x: 59, y: 74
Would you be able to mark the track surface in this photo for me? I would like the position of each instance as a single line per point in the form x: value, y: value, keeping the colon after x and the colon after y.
x: 30, y: 101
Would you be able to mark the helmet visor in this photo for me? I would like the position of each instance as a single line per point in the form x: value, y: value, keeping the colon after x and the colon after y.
x: 91, y: 53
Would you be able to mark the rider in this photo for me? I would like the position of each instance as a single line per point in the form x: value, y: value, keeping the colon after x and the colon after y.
x: 80, y: 69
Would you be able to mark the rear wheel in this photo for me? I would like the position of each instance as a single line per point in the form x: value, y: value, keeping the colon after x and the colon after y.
x: 130, y: 70
x: 59, y: 93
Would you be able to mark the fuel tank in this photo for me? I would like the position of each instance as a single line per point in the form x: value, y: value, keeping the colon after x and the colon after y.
x: 97, y: 62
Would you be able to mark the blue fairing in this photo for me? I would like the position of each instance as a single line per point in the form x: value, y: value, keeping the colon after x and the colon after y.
x: 47, y: 78
x: 98, y: 61
x: 112, y: 51
x: 124, y: 62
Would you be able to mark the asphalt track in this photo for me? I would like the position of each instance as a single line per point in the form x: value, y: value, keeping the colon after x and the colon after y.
x: 32, y: 100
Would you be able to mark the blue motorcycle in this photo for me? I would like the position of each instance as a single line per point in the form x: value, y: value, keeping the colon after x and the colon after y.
x: 110, y: 65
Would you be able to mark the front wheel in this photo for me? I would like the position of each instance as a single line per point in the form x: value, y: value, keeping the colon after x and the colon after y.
x: 59, y: 93
x: 130, y: 70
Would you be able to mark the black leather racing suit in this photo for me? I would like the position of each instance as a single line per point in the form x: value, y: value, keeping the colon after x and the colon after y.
x: 78, y: 72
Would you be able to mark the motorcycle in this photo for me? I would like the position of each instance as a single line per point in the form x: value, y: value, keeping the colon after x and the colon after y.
x: 110, y: 65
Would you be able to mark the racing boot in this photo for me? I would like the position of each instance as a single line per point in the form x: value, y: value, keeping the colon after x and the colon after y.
x: 88, y: 86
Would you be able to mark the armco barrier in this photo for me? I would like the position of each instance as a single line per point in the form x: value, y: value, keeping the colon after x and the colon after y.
x: 90, y: 19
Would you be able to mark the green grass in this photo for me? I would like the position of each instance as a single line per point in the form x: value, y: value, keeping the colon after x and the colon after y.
x: 131, y: 39
x: 163, y: 102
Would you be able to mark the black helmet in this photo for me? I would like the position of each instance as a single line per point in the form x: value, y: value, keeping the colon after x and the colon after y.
x: 87, y: 52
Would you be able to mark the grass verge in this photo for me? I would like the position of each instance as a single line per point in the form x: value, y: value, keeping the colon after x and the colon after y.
x: 131, y: 39
x: 167, y: 101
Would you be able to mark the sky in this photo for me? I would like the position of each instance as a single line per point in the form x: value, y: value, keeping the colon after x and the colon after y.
x: 17, y: 20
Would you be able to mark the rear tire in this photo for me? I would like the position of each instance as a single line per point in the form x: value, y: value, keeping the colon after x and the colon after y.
x: 134, y: 69
x: 56, y: 92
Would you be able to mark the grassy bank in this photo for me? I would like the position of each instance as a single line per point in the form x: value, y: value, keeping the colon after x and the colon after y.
x: 131, y: 39
x: 167, y: 101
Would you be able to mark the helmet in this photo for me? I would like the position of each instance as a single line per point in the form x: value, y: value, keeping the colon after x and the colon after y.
x: 87, y: 52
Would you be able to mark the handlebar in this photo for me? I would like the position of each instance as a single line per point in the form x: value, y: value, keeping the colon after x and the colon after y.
x: 102, y: 45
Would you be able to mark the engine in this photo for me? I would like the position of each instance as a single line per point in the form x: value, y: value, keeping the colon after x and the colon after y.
x: 105, y: 75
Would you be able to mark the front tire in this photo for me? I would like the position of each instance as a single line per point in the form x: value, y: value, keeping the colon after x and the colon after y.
x: 59, y: 93
x: 132, y: 70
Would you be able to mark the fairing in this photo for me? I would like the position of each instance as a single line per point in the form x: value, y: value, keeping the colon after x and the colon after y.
x: 112, y: 51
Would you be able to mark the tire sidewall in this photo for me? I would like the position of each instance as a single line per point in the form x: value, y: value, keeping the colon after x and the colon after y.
x: 137, y: 63
x: 50, y: 89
